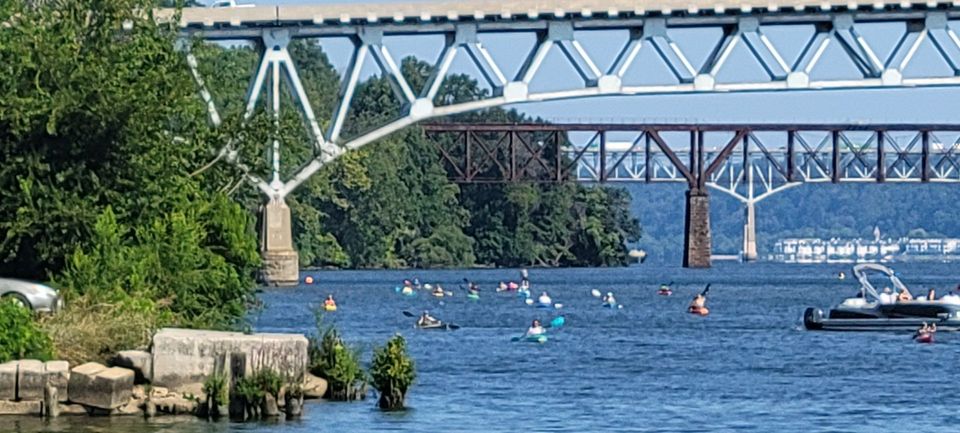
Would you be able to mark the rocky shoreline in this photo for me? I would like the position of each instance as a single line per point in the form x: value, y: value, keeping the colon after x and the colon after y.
x: 168, y: 380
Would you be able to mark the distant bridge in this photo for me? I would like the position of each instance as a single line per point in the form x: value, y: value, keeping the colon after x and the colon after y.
x: 749, y: 162
x: 762, y: 31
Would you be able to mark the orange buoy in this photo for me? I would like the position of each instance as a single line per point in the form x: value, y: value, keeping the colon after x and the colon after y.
x: 308, y: 280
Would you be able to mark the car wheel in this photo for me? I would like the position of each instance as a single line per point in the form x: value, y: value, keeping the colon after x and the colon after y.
x: 19, y: 300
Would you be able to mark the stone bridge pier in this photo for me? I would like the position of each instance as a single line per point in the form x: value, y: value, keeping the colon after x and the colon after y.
x: 696, y: 230
x: 281, y: 263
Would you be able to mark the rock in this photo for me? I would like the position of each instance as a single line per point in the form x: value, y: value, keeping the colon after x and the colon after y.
x: 183, y: 356
x: 268, y: 406
x: 94, y: 385
x: 138, y: 393
x: 72, y: 409
x: 150, y: 409
x: 57, y: 374
x: 8, y: 380
x: 30, y: 380
x: 313, y: 386
x: 133, y: 407
x: 293, y: 407
x: 175, y: 405
x: 158, y: 391
x: 137, y: 360
x: 21, y: 407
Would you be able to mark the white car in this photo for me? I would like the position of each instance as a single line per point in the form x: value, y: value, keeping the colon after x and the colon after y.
x: 37, y: 297
x: 228, y: 4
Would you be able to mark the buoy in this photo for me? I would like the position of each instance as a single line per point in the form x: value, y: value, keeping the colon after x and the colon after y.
x: 308, y: 280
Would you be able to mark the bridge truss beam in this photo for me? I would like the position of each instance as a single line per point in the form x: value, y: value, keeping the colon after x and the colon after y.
x: 747, y: 162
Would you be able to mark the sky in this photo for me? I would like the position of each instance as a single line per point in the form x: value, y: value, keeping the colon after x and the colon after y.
x: 912, y: 105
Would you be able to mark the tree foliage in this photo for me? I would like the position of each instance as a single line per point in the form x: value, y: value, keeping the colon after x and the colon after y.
x: 392, y: 372
x: 20, y: 337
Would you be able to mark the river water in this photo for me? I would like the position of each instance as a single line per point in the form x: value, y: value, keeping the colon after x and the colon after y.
x: 748, y: 366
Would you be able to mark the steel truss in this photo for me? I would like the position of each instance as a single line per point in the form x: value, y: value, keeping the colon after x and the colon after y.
x: 850, y: 159
x: 749, y: 162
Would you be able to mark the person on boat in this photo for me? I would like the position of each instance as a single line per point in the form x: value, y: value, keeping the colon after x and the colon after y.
x: 841, y: 275
x: 524, y: 277
x: 502, y: 287
x: 535, y: 328
x: 544, y: 299
x: 329, y: 302
x: 887, y: 296
x: 932, y: 294
x: 925, y: 330
x: 473, y: 288
x: 904, y: 295
x: 438, y: 291
x: 427, y: 320
x: 951, y: 297
x: 699, y: 302
x: 416, y: 283
x: 609, y: 299
x: 407, y: 290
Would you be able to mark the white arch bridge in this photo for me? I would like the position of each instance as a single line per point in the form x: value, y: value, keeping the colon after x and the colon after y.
x: 797, y: 45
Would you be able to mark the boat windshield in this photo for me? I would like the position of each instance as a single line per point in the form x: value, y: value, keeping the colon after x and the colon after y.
x: 863, y: 270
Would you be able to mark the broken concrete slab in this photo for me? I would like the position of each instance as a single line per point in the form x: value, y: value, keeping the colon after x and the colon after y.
x: 57, y: 375
x: 21, y: 407
x: 137, y: 360
x: 182, y: 356
x: 30, y: 380
x: 97, y: 386
x: 8, y: 380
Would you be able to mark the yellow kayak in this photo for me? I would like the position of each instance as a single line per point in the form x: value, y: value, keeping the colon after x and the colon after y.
x: 330, y: 307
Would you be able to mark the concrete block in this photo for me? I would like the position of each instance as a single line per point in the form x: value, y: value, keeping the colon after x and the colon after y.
x: 21, y: 407
x: 97, y: 386
x: 137, y: 360
x: 72, y: 409
x: 58, y: 375
x: 30, y: 380
x: 8, y: 380
x: 184, y: 356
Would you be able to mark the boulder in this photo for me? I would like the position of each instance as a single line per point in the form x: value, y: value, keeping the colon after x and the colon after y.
x: 175, y: 405
x: 57, y: 374
x: 72, y: 409
x: 132, y: 407
x: 30, y: 380
x: 182, y: 356
x: 97, y: 386
x: 8, y: 380
x: 137, y: 360
x: 313, y: 386
x: 21, y: 407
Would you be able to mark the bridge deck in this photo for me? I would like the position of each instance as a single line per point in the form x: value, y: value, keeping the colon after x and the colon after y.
x: 492, y: 11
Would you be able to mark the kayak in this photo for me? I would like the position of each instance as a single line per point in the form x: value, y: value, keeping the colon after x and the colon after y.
x: 438, y: 294
x: 539, y: 305
x: 542, y: 338
x: 703, y: 311
x: 330, y: 307
x: 437, y: 326
x: 557, y: 322
x: 473, y: 296
x: 523, y: 293
x: 925, y: 338
x: 664, y: 292
x: 613, y: 306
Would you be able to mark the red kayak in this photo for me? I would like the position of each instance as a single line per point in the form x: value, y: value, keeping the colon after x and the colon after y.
x: 925, y: 338
x: 703, y: 311
x: 664, y: 292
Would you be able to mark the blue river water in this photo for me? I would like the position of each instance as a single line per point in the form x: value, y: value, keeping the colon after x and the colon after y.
x: 748, y: 366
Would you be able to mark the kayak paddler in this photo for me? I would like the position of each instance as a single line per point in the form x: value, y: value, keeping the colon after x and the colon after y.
x: 427, y: 320
x: 535, y: 328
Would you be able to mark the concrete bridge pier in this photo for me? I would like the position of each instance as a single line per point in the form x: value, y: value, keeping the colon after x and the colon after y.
x: 281, y: 263
x: 696, y: 237
x: 750, y: 234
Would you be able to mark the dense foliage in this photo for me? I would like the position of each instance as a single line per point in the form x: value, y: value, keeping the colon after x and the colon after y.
x: 392, y: 372
x: 103, y: 140
x: 20, y: 337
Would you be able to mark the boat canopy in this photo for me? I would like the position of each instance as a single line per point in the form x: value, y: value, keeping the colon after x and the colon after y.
x: 861, y: 271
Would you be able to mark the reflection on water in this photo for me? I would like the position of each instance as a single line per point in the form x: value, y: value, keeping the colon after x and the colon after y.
x: 649, y: 367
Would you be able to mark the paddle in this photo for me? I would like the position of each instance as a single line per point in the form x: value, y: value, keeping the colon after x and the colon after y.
x: 408, y: 314
x: 595, y: 293
x: 705, y: 290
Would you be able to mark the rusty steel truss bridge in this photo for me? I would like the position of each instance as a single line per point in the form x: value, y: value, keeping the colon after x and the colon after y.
x: 828, y: 34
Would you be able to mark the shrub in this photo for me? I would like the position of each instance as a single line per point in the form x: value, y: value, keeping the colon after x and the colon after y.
x: 337, y: 363
x: 94, y: 330
x: 20, y: 337
x: 393, y: 372
x: 269, y: 381
x: 251, y: 394
x: 217, y: 389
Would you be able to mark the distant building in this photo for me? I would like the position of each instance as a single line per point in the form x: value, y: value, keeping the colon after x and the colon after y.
x: 816, y: 250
